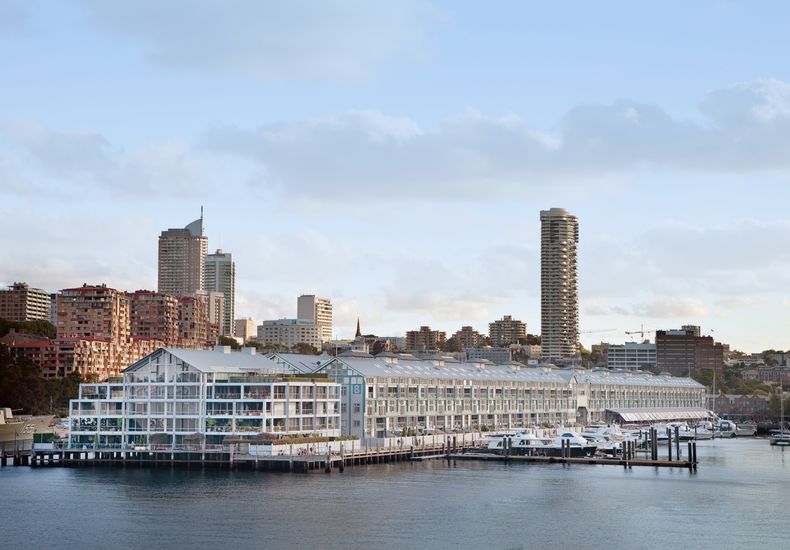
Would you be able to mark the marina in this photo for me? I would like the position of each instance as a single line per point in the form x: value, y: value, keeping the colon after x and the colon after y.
x: 740, y: 482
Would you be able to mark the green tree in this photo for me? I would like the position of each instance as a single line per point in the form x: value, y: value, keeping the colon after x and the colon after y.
x: 228, y: 341
x: 306, y: 349
x: 41, y: 328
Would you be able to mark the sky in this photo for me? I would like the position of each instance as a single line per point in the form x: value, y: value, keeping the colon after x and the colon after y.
x: 395, y: 157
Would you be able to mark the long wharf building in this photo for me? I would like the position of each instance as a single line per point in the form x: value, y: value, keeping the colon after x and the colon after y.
x: 177, y: 397
x: 559, y: 293
x: 382, y: 395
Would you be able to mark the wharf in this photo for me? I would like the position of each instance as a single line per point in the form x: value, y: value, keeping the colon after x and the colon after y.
x: 227, y: 457
x: 627, y: 463
x: 16, y: 457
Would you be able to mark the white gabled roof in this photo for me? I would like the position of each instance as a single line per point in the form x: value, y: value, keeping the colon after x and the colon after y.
x: 630, y: 379
x: 375, y: 367
x: 300, y: 362
x: 216, y: 361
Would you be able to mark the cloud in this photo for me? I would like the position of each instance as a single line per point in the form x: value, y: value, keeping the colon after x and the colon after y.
x: 745, y: 129
x: 11, y: 181
x: 58, y: 152
x: 336, y: 40
x: 70, y: 161
x: 671, y: 307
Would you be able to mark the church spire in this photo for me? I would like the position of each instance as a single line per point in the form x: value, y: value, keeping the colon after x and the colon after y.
x: 359, y: 332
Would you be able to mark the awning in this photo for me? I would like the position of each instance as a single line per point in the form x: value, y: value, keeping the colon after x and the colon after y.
x: 659, y: 414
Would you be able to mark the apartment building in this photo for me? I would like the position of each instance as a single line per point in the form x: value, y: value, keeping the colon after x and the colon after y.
x: 506, y: 331
x: 221, y: 277
x: 175, y: 397
x: 425, y: 339
x: 21, y: 302
x: 559, y: 292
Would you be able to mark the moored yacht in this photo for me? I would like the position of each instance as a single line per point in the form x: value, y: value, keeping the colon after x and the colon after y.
x: 16, y: 434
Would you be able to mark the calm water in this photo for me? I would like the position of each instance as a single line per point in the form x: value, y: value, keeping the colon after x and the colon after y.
x: 736, y: 500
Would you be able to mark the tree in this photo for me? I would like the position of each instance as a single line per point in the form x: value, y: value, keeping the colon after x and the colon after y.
x: 306, y: 349
x: 39, y: 327
x: 228, y: 341
x: 22, y: 386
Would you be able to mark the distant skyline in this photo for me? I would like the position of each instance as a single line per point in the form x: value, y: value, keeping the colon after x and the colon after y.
x: 395, y: 158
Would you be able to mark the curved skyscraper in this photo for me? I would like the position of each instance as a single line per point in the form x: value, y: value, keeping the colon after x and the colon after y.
x: 559, y: 289
x: 182, y: 258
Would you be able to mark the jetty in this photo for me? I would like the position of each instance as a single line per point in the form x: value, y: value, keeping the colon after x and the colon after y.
x: 337, y: 455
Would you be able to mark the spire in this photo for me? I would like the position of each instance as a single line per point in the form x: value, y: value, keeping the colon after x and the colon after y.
x: 359, y: 332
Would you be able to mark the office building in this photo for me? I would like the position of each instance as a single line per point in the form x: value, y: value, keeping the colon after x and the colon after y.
x: 559, y: 295
x: 630, y: 355
x: 221, y: 277
x: 498, y: 356
x: 680, y: 351
x: 182, y: 259
x: 506, y: 331
x: 290, y: 333
x: 20, y: 302
x: 245, y: 329
x: 310, y: 307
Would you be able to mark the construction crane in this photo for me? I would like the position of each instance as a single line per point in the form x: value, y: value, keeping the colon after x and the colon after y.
x: 640, y: 332
x: 599, y: 330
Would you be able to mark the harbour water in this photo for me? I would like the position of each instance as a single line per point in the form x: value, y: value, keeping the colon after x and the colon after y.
x: 737, y: 499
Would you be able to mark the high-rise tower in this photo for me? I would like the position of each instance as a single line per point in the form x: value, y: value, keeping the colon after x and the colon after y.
x: 318, y: 310
x: 221, y: 277
x: 559, y: 289
x: 182, y: 258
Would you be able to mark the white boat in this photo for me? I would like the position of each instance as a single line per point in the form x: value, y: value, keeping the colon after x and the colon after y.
x: 782, y: 435
x: 16, y: 434
x: 725, y: 428
x: 529, y: 444
x: 746, y: 430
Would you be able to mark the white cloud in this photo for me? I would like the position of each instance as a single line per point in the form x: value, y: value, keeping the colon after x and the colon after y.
x: 359, y: 154
x: 70, y: 161
x: 330, y: 40
x: 677, y: 307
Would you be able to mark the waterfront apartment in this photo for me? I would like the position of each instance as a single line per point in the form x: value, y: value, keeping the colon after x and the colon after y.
x: 177, y: 397
x: 382, y: 395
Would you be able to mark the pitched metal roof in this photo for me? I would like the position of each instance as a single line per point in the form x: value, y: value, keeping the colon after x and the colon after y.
x: 630, y: 379
x: 217, y: 361
x: 375, y: 367
x: 660, y: 414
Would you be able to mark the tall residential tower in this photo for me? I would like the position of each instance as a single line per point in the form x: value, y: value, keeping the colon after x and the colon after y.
x: 182, y: 259
x: 559, y: 289
x: 221, y: 277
